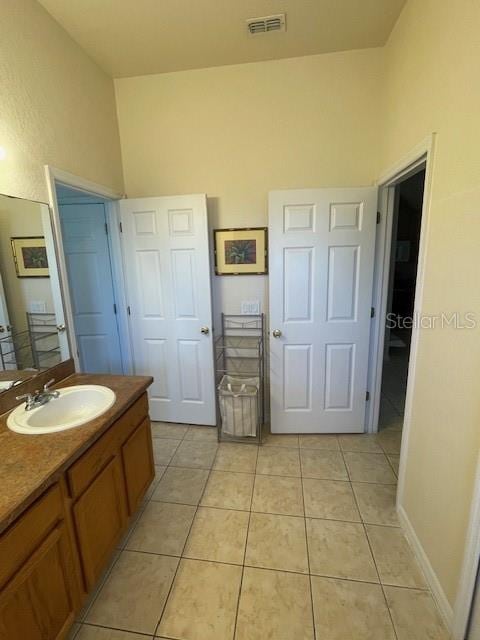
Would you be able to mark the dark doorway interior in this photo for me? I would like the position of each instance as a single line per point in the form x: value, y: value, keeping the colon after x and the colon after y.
x: 401, y: 297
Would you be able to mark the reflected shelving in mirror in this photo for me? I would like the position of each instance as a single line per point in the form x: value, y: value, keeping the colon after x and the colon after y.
x: 31, y: 306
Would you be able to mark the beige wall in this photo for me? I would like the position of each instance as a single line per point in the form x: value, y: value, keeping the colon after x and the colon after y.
x: 237, y: 132
x: 56, y: 106
x: 432, y: 84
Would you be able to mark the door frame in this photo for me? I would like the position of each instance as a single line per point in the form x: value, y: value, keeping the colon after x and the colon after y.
x: 421, y: 156
x: 4, y: 317
x: 466, y: 588
x: 422, y: 153
x: 56, y: 176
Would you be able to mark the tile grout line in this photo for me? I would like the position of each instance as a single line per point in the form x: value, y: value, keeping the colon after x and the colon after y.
x: 197, y: 506
x: 287, y: 515
x: 99, y: 587
x: 308, y: 550
x: 392, y: 404
x: 395, y: 472
x: 250, y: 511
x: 119, y: 550
x: 102, y: 626
x: 298, y: 573
x: 283, y: 448
x: 387, y: 454
x: 371, y: 553
x: 245, y: 550
x: 278, y: 475
x: 186, y: 539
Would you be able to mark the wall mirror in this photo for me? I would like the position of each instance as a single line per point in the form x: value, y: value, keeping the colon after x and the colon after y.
x: 32, y: 324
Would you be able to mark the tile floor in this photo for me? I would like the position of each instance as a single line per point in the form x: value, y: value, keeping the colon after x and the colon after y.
x: 394, y: 389
x: 294, y: 540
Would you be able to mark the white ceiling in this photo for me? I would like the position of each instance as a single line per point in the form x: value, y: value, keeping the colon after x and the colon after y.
x: 137, y: 37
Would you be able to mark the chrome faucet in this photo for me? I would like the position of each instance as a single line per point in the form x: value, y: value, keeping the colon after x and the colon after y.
x: 39, y: 398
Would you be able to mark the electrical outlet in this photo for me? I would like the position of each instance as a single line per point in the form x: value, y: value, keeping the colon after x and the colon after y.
x: 37, y: 306
x: 250, y: 307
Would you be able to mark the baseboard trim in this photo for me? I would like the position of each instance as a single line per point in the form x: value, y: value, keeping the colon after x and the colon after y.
x: 444, y: 606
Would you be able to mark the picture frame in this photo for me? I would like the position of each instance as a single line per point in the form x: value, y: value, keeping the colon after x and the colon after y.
x: 241, y: 252
x: 30, y: 257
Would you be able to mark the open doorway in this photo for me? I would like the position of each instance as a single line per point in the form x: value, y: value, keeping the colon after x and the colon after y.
x: 85, y: 225
x: 474, y: 621
x: 404, y: 251
x: 88, y: 262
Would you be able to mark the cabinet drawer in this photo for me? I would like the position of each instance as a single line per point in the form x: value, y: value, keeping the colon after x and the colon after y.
x: 130, y: 420
x: 24, y: 536
x: 83, y: 472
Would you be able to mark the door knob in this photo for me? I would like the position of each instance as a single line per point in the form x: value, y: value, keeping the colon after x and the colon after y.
x: 205, y: 331
x: 276, y: 333
x: 61, y: 327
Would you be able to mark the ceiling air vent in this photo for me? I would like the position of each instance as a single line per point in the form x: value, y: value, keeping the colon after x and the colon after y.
x: 266, y: 24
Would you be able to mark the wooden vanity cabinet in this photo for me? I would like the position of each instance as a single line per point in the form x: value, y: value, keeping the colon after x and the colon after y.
x: 100, y: 517
x: 38, y: 603
x: 38, y: 580
x: 138, y: 475
x: 107, y: 484
x: 54, y: 553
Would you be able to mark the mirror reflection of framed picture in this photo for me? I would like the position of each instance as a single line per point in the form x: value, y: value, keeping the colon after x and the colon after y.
x: 30, y: 257
x: 241, y: 251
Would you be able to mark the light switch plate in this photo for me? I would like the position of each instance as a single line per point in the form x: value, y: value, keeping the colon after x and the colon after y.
x: 250, y: 307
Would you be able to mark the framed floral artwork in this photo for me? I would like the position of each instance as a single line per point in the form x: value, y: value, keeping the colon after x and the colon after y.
x: 30, y: 257
x: 241, y: 251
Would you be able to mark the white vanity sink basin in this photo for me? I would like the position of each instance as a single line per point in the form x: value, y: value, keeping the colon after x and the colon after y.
x: 74, y: 406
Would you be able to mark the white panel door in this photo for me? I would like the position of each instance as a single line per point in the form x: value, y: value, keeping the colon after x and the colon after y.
x: 56, y: 288
x: 322, y: 245
x: 87, y: 256
x: 167, y: 265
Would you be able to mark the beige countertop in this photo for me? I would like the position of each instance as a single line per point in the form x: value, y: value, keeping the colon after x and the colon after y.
x: 15, y: 374
x: 31, y: 463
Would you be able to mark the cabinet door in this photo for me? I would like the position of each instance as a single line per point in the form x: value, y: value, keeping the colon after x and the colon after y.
x: 137, y: 453
x: 37, y: 603
x: 100, y: 517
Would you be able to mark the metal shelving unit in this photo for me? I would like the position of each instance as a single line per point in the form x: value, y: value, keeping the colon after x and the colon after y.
x: 16, y: 351
x: 240, y: 353
x: 44, y: 339
x: 37, y: 347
